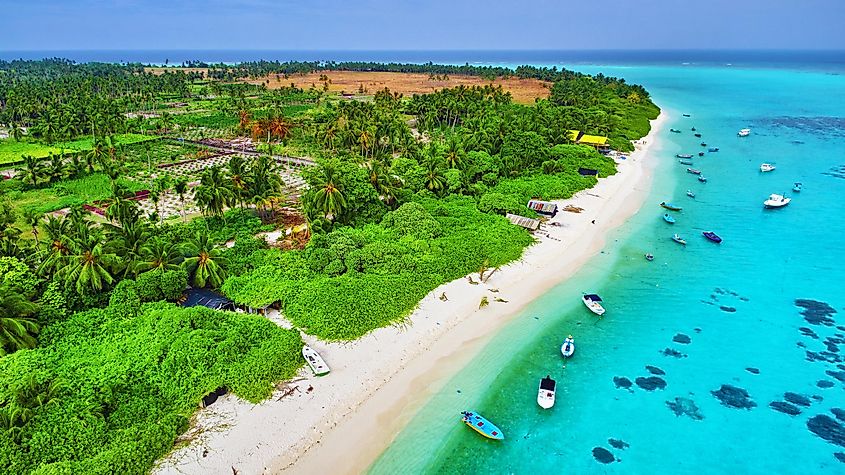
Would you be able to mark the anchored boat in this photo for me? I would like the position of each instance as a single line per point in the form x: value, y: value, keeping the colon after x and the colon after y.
x: 702, y: 179
x: 685, y: 162
x: 776, y: 201
x: 482, y: 425
x: 690, y: 194
x: 678, y: 239
x: 546, y: 393
x: 593, y: 302
x: 693, y: 171
x: 675, y: 131
x: 567, y: 349
x: 670, y: 206
x: 767, y: 167
x: 797, y: 187
x: 684, y: 155
x: 668, y: 218
x: 712, y: 236
x: 315, y: 361
x: 744, y: 132
x: 713, y: 149
x: 649, y: 256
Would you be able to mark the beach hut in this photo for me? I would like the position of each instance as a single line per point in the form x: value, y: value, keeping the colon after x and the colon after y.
x: 599, y: 142
x: 527, y: 223
x: 206, y: 298
x: 543, y: 207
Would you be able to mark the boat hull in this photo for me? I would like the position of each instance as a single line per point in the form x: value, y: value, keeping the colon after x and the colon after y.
x: 481, y: 425
x: 315, y: 361
x: 568, y: 348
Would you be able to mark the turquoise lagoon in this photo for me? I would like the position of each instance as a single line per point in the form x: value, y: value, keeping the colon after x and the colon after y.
x: 709, y: 320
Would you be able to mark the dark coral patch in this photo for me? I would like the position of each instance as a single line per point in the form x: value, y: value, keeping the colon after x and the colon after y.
x: 839, y: 413
x: 673, y: 353
x: 797, y: 399
x: 732, y: 396
x: 603, y: 455
x: 727, y: 309
x: 651, y: 383
x: 785, y: 408
x: 828, y: 429
x: 618, y: 444
x: 622, y: 382
x: 840, y: 375
x: 824, y: 384
x: 681, y: 338
x: 840, y: 456
x: 685, y: 407
x: 753, y: 370
x: 655, y: 370
x: 815, y: 312
x: 808, y: 332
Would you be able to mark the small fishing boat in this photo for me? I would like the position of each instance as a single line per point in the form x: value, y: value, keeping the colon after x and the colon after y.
x: 690, y: 194
x: 482, y: 425
x: 697, y: 135
x: 649, y: 256
x: 766, y: 167
x: 684, y: 155
x: 593, y: 302
x: 713, y: 149
x: 567, y: 349
x: 797, y: 187
x: 703, y: 144
x: 700, y: 154
x: 315, y: 361
x: 668, y: 218
x: 712, y: 236
x: 702, y: 179
x: 675, y: 131
x: 776, y: 201
x: 693, y: 129
x: 686, y: 115
x: 744, y: 132
x: 546, y: 393
x: 670, y: 206
x: 678, y: 239
x: 693, y: 171
x: 685, y: 162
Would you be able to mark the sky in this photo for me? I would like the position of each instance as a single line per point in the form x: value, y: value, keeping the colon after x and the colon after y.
x: 420, y: 24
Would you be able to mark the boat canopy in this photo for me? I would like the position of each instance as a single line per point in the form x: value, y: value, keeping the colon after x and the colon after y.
x: 593, y: 297
x: 547, y: 384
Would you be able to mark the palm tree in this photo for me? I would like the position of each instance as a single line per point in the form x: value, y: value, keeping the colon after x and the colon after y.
x: 454, y: 153
x: 17, y: 132
x: 206, y: 262
x: 213, y: 194
x: 127, y: 240
x: 181, y: 187
x: 31, y: 170
x: 88, y: 266
x: 56, y: 168
x: 16, y: 329
x: 159, y: 255
x: 434, y: 179
x: 237, y: 173
x: 33, y: 219
x: 328, y: 197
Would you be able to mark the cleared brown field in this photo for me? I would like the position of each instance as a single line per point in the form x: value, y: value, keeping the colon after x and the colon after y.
x: 524, y: 91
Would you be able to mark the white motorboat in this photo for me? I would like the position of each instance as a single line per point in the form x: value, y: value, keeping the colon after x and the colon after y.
x: 315, y: 361
x: 546, y: 393
x: 593, y: 302
x: 744, y: 132
x: 776, y: 201
x: 567, y: 349
x: 767, y: 167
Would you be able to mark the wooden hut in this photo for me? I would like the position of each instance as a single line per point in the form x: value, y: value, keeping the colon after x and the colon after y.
x: 543, y: 207
x: 527, y: 223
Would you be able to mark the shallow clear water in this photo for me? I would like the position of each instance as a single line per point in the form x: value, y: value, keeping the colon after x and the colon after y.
x: 735, y: 301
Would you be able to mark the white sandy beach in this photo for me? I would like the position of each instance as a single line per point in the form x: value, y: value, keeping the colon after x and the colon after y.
x: 343, y: 421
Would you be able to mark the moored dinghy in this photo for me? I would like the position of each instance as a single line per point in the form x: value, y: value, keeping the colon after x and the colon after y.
x: 767, y: 167
x: 668, y: 218
x: 690, y: 194
x: 797, y: 187
x: 482, y: 425
x: 670, y: 206
x: 744, y: 132
x: 776, y: 201
x: 315, y: 361
x: 593, y: 302
x: 649, y: 256
x: 678, y: 239
x: 675, y: 131
x: 567, y: 349
x: 702, y: 179
x: 683, y: 155
x: 712, y: 236
x: 546, y: 393
x: 693, y: 171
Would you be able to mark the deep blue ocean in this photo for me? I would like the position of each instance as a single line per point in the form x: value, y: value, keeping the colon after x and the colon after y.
x: 712, y: 358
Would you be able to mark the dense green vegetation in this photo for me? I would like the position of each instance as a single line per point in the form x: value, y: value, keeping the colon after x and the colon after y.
x: 100, y: 371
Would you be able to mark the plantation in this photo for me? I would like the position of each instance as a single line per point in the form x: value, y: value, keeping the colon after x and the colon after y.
x: 100, y: 371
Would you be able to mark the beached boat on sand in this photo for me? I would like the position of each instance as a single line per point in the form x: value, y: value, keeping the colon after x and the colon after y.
x: 767, y: 167
x: 315, y: 361
x: 776, y: 201
x: 482, y: 425
x: 593, y: 302
x: 744, y: 132
x: 567, y: 349
x: 678, y: 239
x: 546, y: 393
x: 670, y: 206
x: 712, y: 236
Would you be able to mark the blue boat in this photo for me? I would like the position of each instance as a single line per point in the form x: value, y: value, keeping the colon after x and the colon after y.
x: 713, y: 149
x: 482, y: 425
x: 712, y: 236
x: 669, y: 219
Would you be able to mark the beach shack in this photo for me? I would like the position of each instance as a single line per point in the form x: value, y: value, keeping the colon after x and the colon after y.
x: 598, y: 142
x: 527, y: 223
x: 543, y: 207
x: 206, y: 298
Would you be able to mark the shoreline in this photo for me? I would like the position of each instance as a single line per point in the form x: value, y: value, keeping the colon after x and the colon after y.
x: 380, y: 381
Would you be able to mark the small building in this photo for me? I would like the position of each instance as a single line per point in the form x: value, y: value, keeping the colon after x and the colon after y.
x: 543, y: 207
x: 599, y: 142
x: 206, y: 298
x: 587, y: 172
x: 522, y: 221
